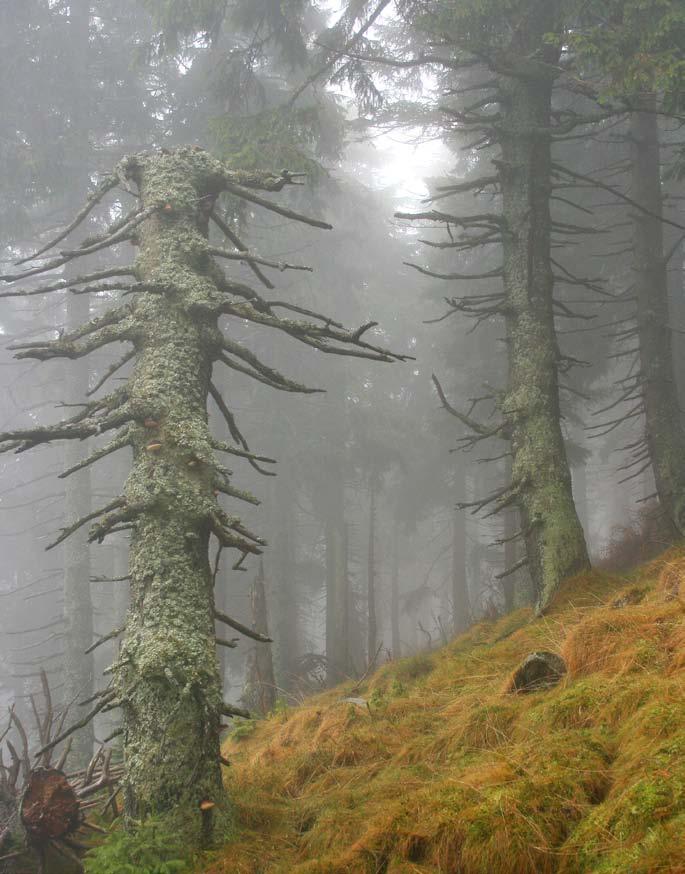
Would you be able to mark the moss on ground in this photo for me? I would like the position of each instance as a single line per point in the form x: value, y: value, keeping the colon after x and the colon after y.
x: 445, y: 772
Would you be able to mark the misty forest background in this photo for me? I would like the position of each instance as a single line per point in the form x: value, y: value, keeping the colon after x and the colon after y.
x: 391, y: 523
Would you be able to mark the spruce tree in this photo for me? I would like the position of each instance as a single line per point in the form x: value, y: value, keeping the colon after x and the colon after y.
x: 165, y: 678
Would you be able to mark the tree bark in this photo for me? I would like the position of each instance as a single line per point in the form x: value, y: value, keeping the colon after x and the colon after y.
x: 555, y: 544
x: 663, y: 430
x: 167, y: 677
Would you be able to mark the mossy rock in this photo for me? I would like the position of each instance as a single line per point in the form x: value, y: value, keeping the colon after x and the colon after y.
x: 538, y: 671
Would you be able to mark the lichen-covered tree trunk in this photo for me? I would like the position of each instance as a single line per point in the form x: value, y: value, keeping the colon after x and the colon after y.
x: 541, y: 486
x: 167, y: 675
x: 664, y: 435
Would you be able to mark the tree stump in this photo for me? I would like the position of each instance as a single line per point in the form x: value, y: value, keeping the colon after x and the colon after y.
x: 49, y: 806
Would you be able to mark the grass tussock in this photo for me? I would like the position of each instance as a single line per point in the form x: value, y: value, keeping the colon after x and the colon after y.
x: 444, y: 771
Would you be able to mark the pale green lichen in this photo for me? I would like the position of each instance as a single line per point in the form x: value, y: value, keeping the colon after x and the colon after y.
x: 167, y: 676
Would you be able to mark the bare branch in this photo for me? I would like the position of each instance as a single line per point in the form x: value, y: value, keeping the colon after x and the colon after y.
x: 256, y: 259
x: 231, y: 644
x: 616, y: 193
x: 62, y: 284
x: 113, y: 327
x: 241, y: 247
x: 72, y: 429
x: 117, y: 632
x: 480, y: 429
x: 238, y: 626
x: 119, y: 442
x: 241, y: 453
x: 512, y: 570
x: 107, y: 184
x: 260, y: 371
x: 238, y: 191
x: 112, y: 369
x: 67, y: 532
x: 310, y: 334
x: 119, y: 234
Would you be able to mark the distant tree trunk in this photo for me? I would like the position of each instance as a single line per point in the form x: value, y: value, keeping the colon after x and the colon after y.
x: 676, y: 301
x: 355, y: 639
x: 283, y: 570
x: 78, y: 604
x: 337, y: 595
x: 541, y: 486
x: 461, y: 607
x: 121, y: 587
x: 222, y: 586
x: 260, y: 687
x: 396, y: 642
x: 371, y: 629
x: 665, y: 439
x: 580, y: 494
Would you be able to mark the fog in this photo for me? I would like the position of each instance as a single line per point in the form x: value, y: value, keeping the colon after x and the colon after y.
x: 370, y: 552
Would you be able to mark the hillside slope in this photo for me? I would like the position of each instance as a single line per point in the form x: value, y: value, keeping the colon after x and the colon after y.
x: 445, y: 771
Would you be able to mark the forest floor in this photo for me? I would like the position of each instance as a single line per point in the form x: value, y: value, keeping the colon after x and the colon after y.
x: 441, y: 769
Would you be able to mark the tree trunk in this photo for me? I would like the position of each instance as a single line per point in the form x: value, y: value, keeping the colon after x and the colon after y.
x: 511, y: 552
x: 371, y: 628
x: 337, y: 606
x: 167, y: 676
x: 580, y: 495
x: 461, y: 607
x: 260, y: 687
x: 396, y: 642
x: 541, y: 485
x: 664, y: 434
x: 283, y: 571
x: 78, y: 603
x: 676, y: 304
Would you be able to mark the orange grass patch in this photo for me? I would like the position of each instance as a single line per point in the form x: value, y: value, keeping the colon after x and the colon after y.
x: 443, y: 773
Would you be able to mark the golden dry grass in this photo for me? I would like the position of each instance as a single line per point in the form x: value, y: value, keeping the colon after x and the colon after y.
x: 445, y: 772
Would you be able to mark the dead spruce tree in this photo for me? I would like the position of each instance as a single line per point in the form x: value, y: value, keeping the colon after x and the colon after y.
x: 165, y: 679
